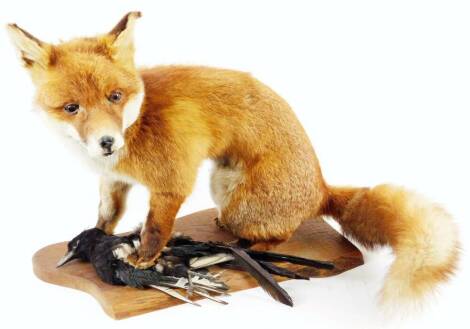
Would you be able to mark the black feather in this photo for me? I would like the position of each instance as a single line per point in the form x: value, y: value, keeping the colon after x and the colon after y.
x: 270, y: 267
x: 137, y: 278
x: 275, y: 257
x: 273, y: 269
x: 265, y: 280
x: 192, y: 250
x: 232, y: 265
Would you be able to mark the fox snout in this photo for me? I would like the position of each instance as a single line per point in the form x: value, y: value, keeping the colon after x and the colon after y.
x: 104, y: 144
x: 110, y: 144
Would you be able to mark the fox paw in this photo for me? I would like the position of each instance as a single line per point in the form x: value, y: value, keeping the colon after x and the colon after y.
x: 141, y: 262
x: 219, y: 224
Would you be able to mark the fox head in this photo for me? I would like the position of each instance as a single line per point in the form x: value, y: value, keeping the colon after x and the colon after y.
x: 88, y: 86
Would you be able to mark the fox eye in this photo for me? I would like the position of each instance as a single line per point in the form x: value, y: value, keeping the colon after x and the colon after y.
x: 71, y: 108
x: 115, y: 96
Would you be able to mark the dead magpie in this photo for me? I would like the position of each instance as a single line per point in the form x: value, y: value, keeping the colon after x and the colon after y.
x: 183, y: 264
x: 108, y: 253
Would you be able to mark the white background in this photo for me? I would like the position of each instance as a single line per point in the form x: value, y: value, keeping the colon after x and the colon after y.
x: 382, y: 89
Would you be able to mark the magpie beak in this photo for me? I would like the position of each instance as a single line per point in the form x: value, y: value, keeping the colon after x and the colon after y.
x: 71, y: 255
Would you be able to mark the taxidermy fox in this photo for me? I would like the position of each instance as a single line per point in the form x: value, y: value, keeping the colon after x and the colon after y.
x: 155, y: 126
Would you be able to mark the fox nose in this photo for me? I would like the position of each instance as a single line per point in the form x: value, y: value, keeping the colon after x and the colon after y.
x: 106, y: 143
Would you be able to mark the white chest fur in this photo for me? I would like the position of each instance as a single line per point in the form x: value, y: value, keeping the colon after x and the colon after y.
x: 102, y: 165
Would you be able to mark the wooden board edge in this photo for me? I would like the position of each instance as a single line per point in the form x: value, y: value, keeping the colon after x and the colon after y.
x: 54, y: 278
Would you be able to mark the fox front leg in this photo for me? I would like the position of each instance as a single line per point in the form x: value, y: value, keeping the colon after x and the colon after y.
x: 157, y: 228
x: 113, y: 195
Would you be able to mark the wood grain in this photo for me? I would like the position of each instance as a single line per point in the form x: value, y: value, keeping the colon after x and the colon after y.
x: 314, y: 239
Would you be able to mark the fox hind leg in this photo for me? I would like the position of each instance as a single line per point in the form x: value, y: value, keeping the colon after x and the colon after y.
x: 256, y: 205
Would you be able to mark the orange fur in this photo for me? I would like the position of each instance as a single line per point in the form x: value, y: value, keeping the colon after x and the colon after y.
x: 421, y: 234
x: 266, y: 178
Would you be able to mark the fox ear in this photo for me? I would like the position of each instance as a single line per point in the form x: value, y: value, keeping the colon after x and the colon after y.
x: 123, y: 38
x: 34, y: 53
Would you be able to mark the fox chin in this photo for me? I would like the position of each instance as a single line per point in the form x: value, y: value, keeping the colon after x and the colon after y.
x: 155, y: 126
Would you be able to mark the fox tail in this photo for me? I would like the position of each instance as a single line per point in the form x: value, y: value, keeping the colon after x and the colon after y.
x: 422, y: 235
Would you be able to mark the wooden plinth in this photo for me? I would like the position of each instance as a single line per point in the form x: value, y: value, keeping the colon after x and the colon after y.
x: 314, y: 239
